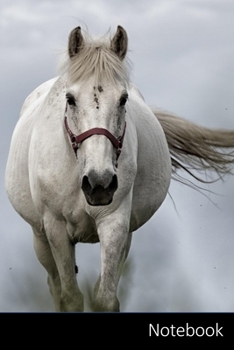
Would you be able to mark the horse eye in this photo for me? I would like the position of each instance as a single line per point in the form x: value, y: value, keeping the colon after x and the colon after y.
x: 123, y: 99
x: 71, y: 100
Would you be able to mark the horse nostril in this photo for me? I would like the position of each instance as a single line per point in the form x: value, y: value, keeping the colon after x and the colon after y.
x: 113, y: 185
x: 86, y: 187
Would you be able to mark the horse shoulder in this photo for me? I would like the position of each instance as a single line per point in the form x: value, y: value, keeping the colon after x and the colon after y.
x: 17, y: 170
x: 40, y: 91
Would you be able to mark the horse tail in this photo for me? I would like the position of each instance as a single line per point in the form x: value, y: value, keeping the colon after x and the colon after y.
x: 193, y: 147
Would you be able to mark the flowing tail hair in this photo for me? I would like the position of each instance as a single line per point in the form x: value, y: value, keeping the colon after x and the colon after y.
x: 193, y: 147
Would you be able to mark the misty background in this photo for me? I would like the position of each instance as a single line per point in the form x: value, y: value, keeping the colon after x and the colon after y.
x: 183, y: 61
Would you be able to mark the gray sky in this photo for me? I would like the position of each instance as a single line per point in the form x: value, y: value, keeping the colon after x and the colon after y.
x: 183, y: 61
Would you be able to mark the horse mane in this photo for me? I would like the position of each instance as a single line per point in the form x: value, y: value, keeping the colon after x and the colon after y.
x: 193, y: 147
x: 96, y: 59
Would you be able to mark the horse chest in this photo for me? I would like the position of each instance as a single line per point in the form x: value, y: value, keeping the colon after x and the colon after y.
x: 81, y: 228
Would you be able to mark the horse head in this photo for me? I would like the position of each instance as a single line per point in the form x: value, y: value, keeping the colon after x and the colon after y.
x: 96, y: 95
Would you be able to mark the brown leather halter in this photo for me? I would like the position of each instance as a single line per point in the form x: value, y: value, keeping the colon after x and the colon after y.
x: 77, y: 139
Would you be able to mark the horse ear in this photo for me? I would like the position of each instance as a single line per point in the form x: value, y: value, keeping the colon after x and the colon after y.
x: 75, y: 42
x: 119, y: 43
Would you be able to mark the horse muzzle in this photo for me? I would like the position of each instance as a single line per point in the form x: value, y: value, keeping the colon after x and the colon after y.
x: 99, y: 189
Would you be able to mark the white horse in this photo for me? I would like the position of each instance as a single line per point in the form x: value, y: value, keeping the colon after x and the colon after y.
x: 90, y: 162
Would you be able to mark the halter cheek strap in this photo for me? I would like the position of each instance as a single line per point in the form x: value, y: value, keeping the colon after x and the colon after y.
x: 77, y: 139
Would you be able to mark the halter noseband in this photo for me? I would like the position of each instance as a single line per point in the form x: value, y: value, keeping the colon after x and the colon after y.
x: 77, y: 139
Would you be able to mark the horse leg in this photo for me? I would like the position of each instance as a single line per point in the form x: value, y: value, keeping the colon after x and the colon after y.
x: 70, y: 299
x: 44, y: 255
x: 115, y: 241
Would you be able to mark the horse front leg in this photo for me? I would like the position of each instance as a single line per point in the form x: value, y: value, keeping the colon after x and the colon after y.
x: 115, y: 241
x: 70, y: 298
x: 45, y: 256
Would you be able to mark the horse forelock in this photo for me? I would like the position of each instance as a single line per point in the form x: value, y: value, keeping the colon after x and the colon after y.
x: 96, y: 60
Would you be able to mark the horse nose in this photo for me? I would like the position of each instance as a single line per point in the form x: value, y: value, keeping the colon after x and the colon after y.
x: 99, y: 188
